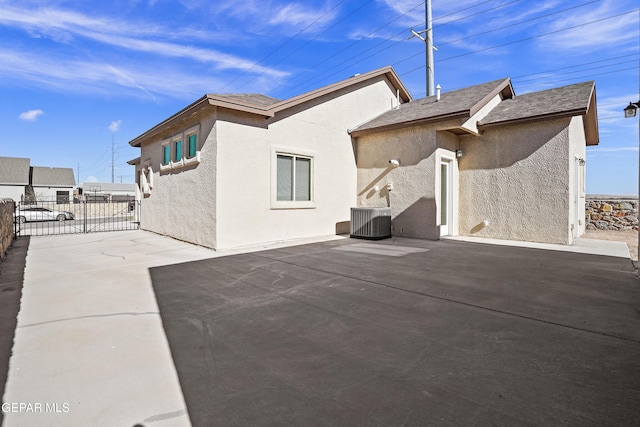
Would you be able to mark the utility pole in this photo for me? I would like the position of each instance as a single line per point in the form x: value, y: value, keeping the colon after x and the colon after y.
x: 428, y: 41
x: 112, y: 159
x: 429, y: 34
x: 78, y: 173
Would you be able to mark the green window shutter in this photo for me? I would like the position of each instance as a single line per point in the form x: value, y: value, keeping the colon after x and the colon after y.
x: 178, y: 155
x: 193, y: 141
x: 166, y: 156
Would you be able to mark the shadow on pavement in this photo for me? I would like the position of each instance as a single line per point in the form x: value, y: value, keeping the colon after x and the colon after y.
x: 455, y: 333
x: 11, y: 280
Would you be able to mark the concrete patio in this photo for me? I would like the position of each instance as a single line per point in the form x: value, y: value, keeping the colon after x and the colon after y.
x: 131, y: 328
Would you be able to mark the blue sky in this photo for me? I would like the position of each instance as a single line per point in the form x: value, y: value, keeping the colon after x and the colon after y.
x: 77, y: 76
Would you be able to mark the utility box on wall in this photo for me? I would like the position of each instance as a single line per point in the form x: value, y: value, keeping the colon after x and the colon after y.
x: 371, y: 223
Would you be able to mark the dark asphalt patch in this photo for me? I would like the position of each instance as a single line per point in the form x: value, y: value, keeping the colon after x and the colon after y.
x: 458, y: 334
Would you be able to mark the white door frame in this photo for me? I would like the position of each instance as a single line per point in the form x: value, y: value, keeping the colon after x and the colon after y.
x: 578, y: 198
x: 446, y: 207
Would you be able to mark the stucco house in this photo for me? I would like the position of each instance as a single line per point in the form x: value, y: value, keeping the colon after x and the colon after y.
x: 483, y: 162
x: 14, y: 177
x: 105, y: 192
x: 20, y: 181
x: 235, y: 170
x: 53, y: 183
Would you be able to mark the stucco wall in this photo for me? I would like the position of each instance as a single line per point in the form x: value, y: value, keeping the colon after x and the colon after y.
x: 14, y: 192
x: 50, y: 193
x: 246, y: 214
x: 181, y: 203
x: 412, y: 200
x: 226, y: 200
x: 6, y: 225
x: 513, y: 177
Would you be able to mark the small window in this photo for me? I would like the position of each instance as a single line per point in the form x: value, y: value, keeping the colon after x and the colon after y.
x: 178, y: 151
x: 193, y: 145
x: 293, y: 178
x: 166, y: 154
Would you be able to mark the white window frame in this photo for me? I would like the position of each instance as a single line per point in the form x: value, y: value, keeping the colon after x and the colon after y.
x: 185, y: 160
x: 166, y: 142
x: 291, y: 204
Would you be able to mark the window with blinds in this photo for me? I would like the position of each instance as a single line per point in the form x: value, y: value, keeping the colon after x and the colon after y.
x: 293, y: 178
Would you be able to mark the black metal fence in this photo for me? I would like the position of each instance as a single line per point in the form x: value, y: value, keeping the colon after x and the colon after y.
x: 43, y: 218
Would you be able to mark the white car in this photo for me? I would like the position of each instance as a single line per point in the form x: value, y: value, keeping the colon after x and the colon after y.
x: 36, y: 213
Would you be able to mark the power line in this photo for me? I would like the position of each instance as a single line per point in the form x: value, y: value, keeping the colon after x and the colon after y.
x: 473, y: 14
x: 589, y: 76
x: 519, y: 23
x: 403, y: 31
x: 314, y: 38
x: 525, y: 39
x: 351, y: 63
x: 573, y: 72
x: 577, y: 65
x: 281, y: 46
x: 313, y: 67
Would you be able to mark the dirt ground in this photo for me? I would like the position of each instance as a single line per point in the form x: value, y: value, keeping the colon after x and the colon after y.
x: 629, y: 237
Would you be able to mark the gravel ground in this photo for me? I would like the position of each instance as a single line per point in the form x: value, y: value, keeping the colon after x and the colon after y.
x: 629, y: 237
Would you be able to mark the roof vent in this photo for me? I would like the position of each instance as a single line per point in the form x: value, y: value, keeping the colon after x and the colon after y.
x: 438, y: 93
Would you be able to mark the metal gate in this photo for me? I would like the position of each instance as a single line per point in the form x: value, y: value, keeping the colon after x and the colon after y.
x: 45, y: 218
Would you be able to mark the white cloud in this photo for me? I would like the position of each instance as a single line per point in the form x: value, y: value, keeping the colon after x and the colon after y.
x: 614, y: 31
x: 64, y: 26
x: 115, y: 126
x: 300, y: 15
x: 77, y: 76
x: 31, y: 115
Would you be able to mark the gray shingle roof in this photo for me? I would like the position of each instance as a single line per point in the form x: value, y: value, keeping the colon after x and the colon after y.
x: 462, y: 102
x: 249, y: 98
x: 54, y: 177
x: 567, y: 100
x: 14, y: 170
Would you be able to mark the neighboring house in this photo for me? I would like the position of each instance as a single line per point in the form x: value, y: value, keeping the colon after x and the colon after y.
x: 235, y: 170
x: 14, y: 177
x: 22, y: 182
x: 53, y: 184
x: 481, y: 161
x: 106, y: 192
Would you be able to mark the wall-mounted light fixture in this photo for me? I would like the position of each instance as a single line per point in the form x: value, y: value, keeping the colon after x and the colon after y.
x: 631, y: 109
x: 458, y: 153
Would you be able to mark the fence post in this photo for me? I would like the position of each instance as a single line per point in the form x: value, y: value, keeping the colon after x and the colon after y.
x: 84, y: 216
x: 16, y: 223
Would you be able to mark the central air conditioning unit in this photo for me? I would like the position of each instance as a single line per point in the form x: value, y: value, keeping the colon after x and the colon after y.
x: 371, y: 223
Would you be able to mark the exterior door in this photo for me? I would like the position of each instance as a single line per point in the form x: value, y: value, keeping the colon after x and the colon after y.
x: 446, y: 197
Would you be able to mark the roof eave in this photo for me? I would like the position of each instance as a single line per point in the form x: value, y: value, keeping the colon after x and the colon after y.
x: 238, y: 106
x: 190, y: 109
x: 457, y: 115
x: 505, y: 88
x: 386, y: 71
x: 590, y: 122
x: 590, y: 119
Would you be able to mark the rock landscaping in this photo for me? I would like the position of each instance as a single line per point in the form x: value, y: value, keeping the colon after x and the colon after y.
x: 611, y: 214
